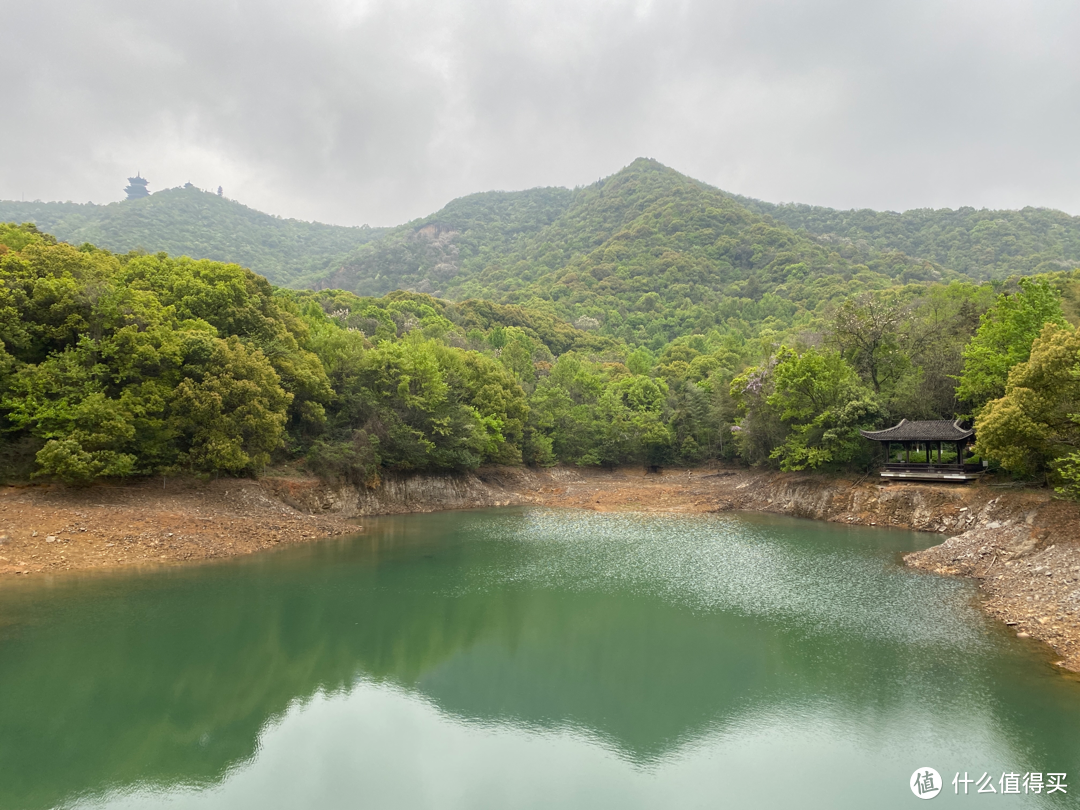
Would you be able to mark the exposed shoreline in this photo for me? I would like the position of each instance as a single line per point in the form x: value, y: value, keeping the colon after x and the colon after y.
x: 52, y: 529
x: 1022, y: 547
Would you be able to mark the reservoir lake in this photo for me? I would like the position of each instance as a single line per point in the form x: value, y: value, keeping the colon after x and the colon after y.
x: 527, y: 658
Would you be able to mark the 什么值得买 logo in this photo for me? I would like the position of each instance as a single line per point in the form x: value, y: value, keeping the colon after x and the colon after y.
x: 925, y: 783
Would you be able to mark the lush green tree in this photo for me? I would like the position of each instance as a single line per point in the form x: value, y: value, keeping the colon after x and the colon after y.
x: 632, y: 428
x: 824, y: 404
x: 97, y: 399
x: 493, y: 393
x: 564, y: 422
x: 943, y: 320
x: 236, y: 302
x: 1004, y: 339
x: 62, y: 400
x: 758, y: 429
x: 1034, y: 428
x: 229, y: 411
x: 873, y: 332
x: 134, y: 365
x: 415, y: 405
x: 803, y: 409
x: 520, y: 354
x: 688, y: 414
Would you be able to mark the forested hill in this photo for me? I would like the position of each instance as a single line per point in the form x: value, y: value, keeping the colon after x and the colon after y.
x: 982, y: 244
x: 142, y: 364
x: 190, y: 222
x: 644, y: 255
x: 593, y: 253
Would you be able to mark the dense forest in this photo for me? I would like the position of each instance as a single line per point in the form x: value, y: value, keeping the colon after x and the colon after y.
x: 190, y: 222
x: 977, y: 243
x: 643, y: 256
x: 116, y: 365
x: 648, y: 254
x: 589, y: 252
x: 645, y: 319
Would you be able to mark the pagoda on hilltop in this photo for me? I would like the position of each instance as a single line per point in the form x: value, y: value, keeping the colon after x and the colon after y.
x: 136, y: 188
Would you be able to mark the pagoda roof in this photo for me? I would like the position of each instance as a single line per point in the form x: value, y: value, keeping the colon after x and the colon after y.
x: 935, y: 430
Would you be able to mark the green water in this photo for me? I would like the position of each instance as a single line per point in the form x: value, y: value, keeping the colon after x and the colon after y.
x: 526, y: 658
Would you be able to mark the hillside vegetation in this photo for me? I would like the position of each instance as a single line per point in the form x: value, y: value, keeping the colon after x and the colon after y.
x: 644, y: 256
x: 132, y: 365
x: 980, y: 244
x: 647, y: 318
x: 649, y: 254
x: 189, y: 222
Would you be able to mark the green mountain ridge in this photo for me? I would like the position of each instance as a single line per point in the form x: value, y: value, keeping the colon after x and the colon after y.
x: 119, y: 365
x: 644, y: 255
x: 980, y: 243
x: 190, y: 222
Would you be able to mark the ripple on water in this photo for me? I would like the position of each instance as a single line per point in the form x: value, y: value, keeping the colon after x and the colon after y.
x: 816, y: 581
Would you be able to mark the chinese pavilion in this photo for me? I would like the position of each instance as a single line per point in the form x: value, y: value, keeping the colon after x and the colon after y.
x: 136, y: 187
x: 922, y: 439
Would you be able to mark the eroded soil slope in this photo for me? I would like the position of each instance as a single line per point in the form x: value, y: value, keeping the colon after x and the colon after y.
x: 46, y: 529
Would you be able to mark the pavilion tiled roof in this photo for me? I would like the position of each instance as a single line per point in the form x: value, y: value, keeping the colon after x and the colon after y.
x: 936, y: 430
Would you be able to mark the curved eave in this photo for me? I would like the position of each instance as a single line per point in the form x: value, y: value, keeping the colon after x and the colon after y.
x: 897, y: 433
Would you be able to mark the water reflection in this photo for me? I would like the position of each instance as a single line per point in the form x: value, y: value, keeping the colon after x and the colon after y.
x: 463, y: 657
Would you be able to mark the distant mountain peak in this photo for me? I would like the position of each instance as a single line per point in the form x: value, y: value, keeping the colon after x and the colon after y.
x: 649, y: 163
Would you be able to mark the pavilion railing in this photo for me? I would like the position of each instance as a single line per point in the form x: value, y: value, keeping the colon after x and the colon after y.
x: 894, y: 466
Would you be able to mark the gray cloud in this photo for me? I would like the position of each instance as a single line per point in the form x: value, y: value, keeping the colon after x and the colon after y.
x: 377, y: 111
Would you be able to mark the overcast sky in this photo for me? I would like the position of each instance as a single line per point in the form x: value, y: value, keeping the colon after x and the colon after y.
x: 378, y: 111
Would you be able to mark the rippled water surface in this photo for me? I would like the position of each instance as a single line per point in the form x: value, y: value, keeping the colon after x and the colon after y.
x: 526, y: 658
